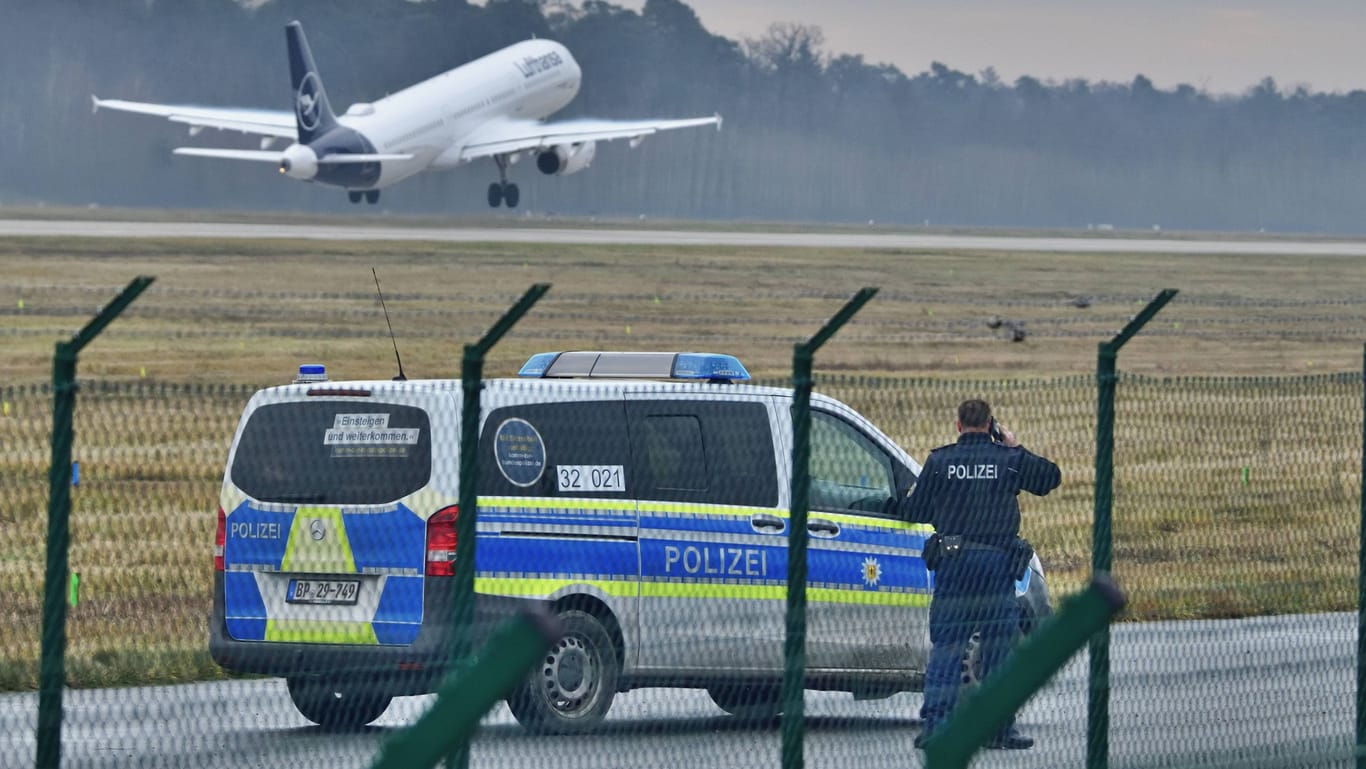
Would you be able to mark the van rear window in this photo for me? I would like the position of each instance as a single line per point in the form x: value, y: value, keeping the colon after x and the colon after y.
x: 333, y: 453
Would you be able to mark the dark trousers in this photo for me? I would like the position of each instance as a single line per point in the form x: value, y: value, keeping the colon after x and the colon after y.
x: 973, y: 593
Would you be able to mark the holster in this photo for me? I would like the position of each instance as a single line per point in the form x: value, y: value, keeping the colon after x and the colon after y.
x: 933, y: 552
x: 1021, y: 553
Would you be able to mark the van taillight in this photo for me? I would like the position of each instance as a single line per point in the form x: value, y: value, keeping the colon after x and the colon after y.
x: 220, y: 538
x: 441, y: 542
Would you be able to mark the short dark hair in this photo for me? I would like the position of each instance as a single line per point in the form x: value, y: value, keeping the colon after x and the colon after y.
x: 974, y: 413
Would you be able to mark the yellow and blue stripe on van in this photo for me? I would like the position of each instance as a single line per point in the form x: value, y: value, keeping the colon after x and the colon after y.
x: 536, y: 547
x: 385, y: 547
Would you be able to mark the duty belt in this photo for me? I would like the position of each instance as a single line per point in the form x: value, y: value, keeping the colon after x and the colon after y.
x: 954, y: 542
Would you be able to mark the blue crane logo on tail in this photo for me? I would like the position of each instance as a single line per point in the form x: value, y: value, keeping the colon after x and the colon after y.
x: 306, y: 101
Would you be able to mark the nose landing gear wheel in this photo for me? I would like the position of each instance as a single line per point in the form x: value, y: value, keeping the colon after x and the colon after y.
x: 372, y: 196
x: 572, y: 687
x: 353, y: 195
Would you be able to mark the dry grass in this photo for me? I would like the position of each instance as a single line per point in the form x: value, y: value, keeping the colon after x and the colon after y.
x: 246, y: 311
x: 1192, y: 539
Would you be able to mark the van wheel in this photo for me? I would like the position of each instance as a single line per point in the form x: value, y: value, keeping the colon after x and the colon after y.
x: 573, y: 686
x: 748, y: 702
x: 333, y: 706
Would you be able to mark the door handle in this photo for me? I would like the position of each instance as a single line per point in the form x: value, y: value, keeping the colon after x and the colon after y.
x: 823, y: 528
x: 767, y: 523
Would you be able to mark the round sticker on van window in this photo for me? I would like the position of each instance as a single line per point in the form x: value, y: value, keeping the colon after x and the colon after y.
x: 519, y: 451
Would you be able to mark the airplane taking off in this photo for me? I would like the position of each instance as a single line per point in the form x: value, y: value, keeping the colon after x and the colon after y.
x: 492, y: 107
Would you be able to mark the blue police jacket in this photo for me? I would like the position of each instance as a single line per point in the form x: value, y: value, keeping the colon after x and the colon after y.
x: 969, y: 488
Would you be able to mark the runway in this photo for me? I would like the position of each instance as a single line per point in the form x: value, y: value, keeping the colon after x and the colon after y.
x: 843, y: 239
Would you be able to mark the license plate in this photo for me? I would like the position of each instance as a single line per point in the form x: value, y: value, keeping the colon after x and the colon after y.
x: 323, y: 591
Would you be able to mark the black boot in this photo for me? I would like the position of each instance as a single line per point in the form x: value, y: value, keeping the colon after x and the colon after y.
x: 1011, y: 739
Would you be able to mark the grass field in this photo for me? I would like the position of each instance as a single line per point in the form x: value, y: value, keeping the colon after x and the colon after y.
x: 1233, y: 496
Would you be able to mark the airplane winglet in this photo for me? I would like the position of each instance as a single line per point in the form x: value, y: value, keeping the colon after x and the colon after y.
x: 94, y: 104
x: 717, y: 115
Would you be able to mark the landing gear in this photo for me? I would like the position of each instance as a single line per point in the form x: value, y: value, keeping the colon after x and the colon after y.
x: 371, y: 196
x: 503, y: 191
x: 354, y: 195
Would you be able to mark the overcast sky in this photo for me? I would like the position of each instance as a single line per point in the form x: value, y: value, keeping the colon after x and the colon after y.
x: 1222, y: 46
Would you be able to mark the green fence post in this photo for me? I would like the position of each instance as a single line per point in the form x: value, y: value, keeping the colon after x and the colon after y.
x: 794, y: 645
x: 468, y: 694
x: 1038, y: 657
x: 1102, y: 534
x: 52, y: 664
x: 1361, y: 588
x: 471, y: 383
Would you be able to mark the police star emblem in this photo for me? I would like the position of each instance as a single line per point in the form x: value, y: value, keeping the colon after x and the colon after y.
x: 872, y: 571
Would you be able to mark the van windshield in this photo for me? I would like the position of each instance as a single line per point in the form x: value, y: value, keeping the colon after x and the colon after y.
x: 333, y: 453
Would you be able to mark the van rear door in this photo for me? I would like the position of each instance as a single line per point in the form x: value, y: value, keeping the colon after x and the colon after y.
x: 326, y: 507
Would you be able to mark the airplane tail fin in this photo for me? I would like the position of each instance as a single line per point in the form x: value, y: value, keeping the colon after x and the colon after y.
x: 312, y: 112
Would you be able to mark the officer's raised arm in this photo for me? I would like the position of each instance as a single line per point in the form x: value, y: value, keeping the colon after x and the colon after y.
x: 1038, y: 475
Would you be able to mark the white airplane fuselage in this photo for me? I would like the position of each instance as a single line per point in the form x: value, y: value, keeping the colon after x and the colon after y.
x: 493, y: 108
x: 430, y: 120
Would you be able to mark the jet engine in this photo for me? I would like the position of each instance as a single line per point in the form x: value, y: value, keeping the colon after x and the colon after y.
x: 565, y: 159
x: 299, y: 162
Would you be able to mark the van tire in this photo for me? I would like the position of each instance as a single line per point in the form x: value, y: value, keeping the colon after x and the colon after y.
x: 333, y: 706
x: 571, y: 688
x: 748, y: 702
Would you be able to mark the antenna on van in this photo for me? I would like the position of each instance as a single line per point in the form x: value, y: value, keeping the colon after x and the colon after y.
x: 400, y: 377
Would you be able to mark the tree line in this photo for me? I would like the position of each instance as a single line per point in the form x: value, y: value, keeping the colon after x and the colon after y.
x: 808, y: 135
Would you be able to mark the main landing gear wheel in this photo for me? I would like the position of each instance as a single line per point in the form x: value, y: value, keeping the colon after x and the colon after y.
x: 334, y: 706
x: 501, y: 191
x: 372, y: 196
x: 354, y: 195
x: 571, y: 689
x: 504, y: 193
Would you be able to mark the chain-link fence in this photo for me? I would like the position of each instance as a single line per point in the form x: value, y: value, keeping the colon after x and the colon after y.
x: 653, y: 518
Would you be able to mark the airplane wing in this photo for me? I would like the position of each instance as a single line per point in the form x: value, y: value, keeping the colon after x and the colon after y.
x: 504, y: 137
x: 269, y: 156
x: 262, y: 122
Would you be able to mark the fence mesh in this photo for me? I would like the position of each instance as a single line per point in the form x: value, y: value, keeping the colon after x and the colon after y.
x: 1236, y: 537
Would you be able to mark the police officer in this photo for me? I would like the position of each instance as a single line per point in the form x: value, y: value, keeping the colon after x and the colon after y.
x: 967, y: 491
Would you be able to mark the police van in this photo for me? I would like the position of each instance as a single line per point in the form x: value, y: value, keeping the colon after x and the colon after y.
x: 642, y: 497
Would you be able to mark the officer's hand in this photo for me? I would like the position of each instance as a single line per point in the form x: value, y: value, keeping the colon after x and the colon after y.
x: 1007, y: 437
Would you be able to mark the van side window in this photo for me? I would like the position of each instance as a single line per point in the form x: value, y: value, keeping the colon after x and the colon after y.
x: 718, y: 452
x: 524, y: 451
x: 848, y: 471
x: 674, y: 453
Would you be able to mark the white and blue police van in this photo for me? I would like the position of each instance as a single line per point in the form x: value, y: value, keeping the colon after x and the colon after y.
x: 641, y: 497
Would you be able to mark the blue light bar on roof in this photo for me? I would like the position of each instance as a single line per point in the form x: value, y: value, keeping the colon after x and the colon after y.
x: 712, y: 367
x: 537, y: 364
